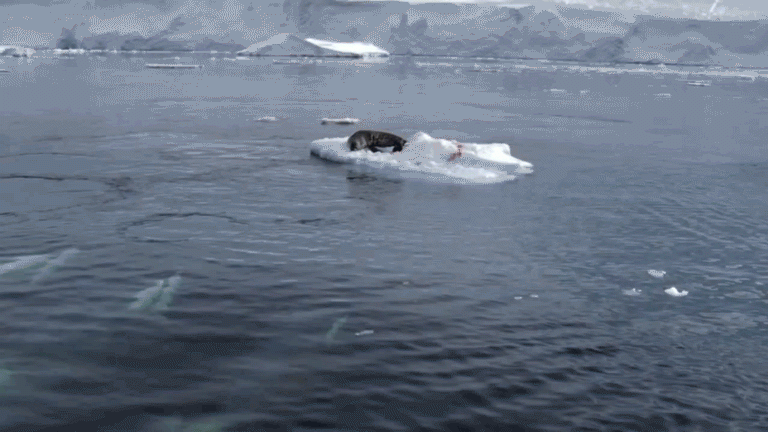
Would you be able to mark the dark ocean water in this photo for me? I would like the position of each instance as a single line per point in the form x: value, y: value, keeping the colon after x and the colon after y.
x: 305, y: 295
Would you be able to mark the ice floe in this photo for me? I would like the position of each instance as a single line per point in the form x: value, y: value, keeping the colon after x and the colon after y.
x: 675, y: 293
x: 432, y: 159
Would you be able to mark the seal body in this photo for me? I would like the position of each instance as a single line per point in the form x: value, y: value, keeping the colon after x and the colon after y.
x: 373, y: 140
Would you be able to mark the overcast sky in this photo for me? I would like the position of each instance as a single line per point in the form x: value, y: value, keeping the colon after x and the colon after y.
x: 40, y: 22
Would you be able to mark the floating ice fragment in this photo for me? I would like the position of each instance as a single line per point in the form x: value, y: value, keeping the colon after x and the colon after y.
x: 335, y: 328
x: 518, y: 297
x: 158, y: 296
x: 534, y: 296
x: 675, y: 293
x: 267, y: 119
x: 657, y: 273
x: 339, y: 121
x: 364, y: 333
x: 633, y: 292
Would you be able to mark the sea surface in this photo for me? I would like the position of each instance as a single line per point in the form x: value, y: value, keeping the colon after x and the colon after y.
x: 169, y: 262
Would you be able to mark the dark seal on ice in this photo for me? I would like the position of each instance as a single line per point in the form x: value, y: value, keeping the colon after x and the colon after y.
x: 373, y: 140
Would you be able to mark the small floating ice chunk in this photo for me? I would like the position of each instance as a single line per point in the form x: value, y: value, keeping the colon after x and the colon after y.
x: 518, y: 297
x: 158, y: 296
x: 267, y: 119
x: 633, y: 292
x: 339, y: 121
x: 675, y: 293
x: 534, y: 296
x: 364, y: 333
x: 657, y: 273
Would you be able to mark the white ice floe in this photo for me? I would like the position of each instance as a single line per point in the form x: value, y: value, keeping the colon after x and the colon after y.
x: 633, y: 292
x: 158, y: 296
x: 675, y: 293
x: 267, y: 119
x: 339, y: 121
x: 364, y: 333
x: 432, y: 159
x: 657, y: 273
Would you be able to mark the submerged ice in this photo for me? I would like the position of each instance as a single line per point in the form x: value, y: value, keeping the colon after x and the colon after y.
x: 45, y: 264
x: 157, y: 297
x: 432, y: 158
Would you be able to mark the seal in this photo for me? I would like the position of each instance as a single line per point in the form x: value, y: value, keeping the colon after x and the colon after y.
x: 373, y: 140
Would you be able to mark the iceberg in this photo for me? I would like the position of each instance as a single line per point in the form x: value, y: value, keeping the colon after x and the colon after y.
x: 357, y: 49
x: 286, y: 44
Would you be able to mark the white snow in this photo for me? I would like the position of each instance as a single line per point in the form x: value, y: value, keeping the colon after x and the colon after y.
x: 675, y: 293
x: 429, y: 158
x: 363, y: 49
